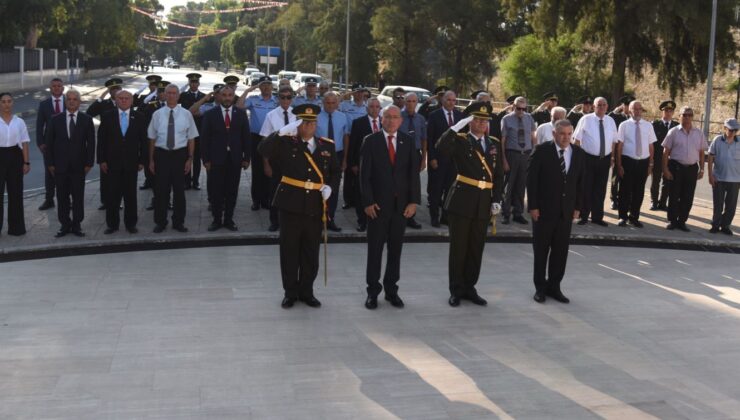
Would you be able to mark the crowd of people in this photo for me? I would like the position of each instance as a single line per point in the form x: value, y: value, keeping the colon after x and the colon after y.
x: 306, y: 148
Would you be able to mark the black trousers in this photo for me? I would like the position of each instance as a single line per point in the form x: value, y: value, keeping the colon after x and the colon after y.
x: 515, y: 183
x: 193, y: 177
x: 169, y: 166
x: 11, y: 176
x: 274, y: 183
x: 550, y: 242
x: 724, y: 200
x: 467, y: 239
x: 440, y: 180
x: 632, y: 187
x: 658, y: 192
x: 682, y: 191
x: 122, y: 186
x: 385, y: 230
x: 49, y: 182
x: 595, y: 179
x: 104, y: 188
x: 334, y: 198
x: 260, y: 188
x: 615, y: 180
x: 359, y: 210
x: 351, y: 185
x: 224, y: 180
x: 300, y: 240
x: 70, y: 195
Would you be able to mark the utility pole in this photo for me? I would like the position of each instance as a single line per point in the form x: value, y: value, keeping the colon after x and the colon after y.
x: 346, y: 51
x: 710, y: 71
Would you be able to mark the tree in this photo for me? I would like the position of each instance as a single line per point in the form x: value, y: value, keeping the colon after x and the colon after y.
x: 238, y: 46
x: 207, y: 48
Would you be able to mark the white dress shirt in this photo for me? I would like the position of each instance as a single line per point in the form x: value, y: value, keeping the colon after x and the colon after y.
x: 626, y: 135
x: 377, y: 122
x: 311, y: 144
x: 394, y: 141
x: 54, y: 103
x: 587, y: 132
x: 544, y: 133
x: 567, y: 155
x: 275, y: 120
x: 68, y: 119
x: 185, y: 128
x: 13, y: 134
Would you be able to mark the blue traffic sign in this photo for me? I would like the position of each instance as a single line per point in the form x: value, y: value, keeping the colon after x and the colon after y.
x: 273, y: 51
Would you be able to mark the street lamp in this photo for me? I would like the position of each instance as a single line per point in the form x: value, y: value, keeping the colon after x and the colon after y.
x: 710, y: 71
x: 346, y: 51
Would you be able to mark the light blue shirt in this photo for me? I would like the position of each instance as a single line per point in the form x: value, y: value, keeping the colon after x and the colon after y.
x: 300, y: 100
x: 726, y: 159
x: 341, y: 125
x: 258, y: 108
x: 419, y: 128
x: 353, y: 110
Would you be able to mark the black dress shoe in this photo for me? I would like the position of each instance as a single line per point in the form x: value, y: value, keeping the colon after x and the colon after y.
x: 615, y: 205
x: 622, y: 223
x: 662, y: 207
x: 683, y: 227
x: 214, y: 226
x: 654, y: 207
x: 333, y: 227
x: 109, y: 230
x: 46, y: 205
x: 539, y: 297
x: 102, y: 207
x: 132, y: 230
x: 582, y: 222
x: 726, y: 231
x: 180, y: 228
x: 196, y: 187
x: 288, y: 302
x: 371, y: 302
x: 346, y: 206
x: 77, y: 232
x: 476, y: 299
x: 559, y: 296
x: 454, y: 301
x: 61, y: 233
x: 636, y: 223
x: 230, y: 225
x: 361, y: 227
x: 520, y: 219
x: 670, y: 226
x: 150, y: 207
x: 413, y: 224
x: 255, y: 207
x: 443, y: 221
x: 395, y: 301
x: 273, y: 228
x: 505, y: 221
x: 311, y: 301
x: 265, y: 206
x: 435, y: 223
x: 159, y: 229
x: 600, y: 223
x: 714, y: 229
x: 187, y: 187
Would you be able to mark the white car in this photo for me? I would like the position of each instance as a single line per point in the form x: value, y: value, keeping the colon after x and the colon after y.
x: 386, y: 96
x: 249, y: 70
x: 300, y: 80
x: 253, y: 77
x: 285, y: 74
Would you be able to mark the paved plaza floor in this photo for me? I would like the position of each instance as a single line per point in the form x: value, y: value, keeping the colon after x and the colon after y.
x: 199, y: 334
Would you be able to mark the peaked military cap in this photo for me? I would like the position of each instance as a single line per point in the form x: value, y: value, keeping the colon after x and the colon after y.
x: 311, y: 81
x: 667, y: 105
x: 479, y: 109
x: 161, y: 85
x: 440, y: 89
x: 231, y: 80
x: 218, y: 86
x: 114, y: 82
x: 477, y: 92
x: 264, y: 79
x: 550, y: 96
x: 307, y: 112
x: 193, y: 77
x: 358, y: 87
x: 587, y: 99
x: 626, y: 99
x: 153, y: 78
x: 512, y: 98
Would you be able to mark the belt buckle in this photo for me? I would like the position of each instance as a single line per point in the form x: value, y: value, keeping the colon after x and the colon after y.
x: 308, y: 185
x: 482, y: 184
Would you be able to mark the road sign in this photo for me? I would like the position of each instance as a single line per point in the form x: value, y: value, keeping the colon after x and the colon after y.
x: 271, y: 51
x: 263, y: 60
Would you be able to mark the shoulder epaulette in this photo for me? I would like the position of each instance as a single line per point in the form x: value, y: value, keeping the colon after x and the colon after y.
x: 462, y: 135
x: 326, y: 140
x: 494, y: 139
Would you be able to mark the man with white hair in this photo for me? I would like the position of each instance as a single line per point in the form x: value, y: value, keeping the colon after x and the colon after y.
x: 545, y: 131
x: 415, y: 125
x: 634, y: 160
x: 334, y: 125
x: 518, y: 138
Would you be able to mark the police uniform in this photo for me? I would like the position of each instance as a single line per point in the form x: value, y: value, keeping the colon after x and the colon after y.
x: 353, y: 111
x: 300, y: 203
x: 300, y: 100
x: 575, y: 116
x: 619, y: 118
x: 258, y: 108
x: 478, y: 184
x: 95, y: 110
x: 658, y: 193
x: 543, y: 115
x: 187, y: 99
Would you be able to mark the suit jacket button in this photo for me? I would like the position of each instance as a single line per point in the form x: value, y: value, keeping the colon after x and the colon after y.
x: 309, y: 169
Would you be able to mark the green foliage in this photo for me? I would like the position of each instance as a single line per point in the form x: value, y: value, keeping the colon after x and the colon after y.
x: 199, y: 50
x: 239, y: 46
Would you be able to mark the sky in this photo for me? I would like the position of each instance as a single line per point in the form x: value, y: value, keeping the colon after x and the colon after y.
x: 168, y: 4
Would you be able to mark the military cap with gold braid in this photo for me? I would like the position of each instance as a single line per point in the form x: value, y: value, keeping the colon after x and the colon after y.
x: 307, y: 112
x: 115, y: 82
x: 231, y: 80
x: 218, y: 86
x: 479, y: 109
x: 193, y: 77
x: 510, y: 99
x: 153, y: 78
x: 667, y: 105
x: 550, y: 96
x: 161, y: 85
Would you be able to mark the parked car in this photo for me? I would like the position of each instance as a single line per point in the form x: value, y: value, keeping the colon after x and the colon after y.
x: 249, y: 70
x: 286, y: 74
x: 386, y: 96
x: 300, y: 80
x: 275, y: 80
x: 254, y: 76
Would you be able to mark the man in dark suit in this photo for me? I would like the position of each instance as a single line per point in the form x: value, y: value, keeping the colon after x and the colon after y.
x: 225, y: 148
x: 70, y: 141
x: 554, y: 194
x: 658, y: 193
x: 441, y: 169
x: 187, y: 100
x: 310, y: 171
x: 49, y: 107
x: 122, y: 148
x: 95, y: 110
x: 361, y: 128
x: 473, y: 198
x: 391, y: 190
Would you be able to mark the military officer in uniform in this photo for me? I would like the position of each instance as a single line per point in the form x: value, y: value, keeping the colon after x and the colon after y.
x: 187, y: 100
x: 510, y: 108
x: 143, y: 99
x: 583, y: 106
x: 473, y: 198
x: 310, y: 171
x: 658, y: 193
x: 95, y: 110
x: 353, y: 108
x: 541, y: 115
x: 433, y: 103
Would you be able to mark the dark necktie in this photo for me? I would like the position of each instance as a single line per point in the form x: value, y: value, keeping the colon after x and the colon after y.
x: 562, y: 162
x: 412, y: 129
x: 171, y: 131
x: 375, y: 125
x: 668, y: 125
x: 72, y: 125
x: 331, y: 128
x: 520, y: 133
x: 450, y: 121
x: 391, y: 150
x: 57, y: 108
x: 638, y: 140
x: 285, y: 117
x: 602, y: 140
x: 227, y: 119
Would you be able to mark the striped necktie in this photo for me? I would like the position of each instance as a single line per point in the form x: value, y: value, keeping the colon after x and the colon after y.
x: 562, y: 162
